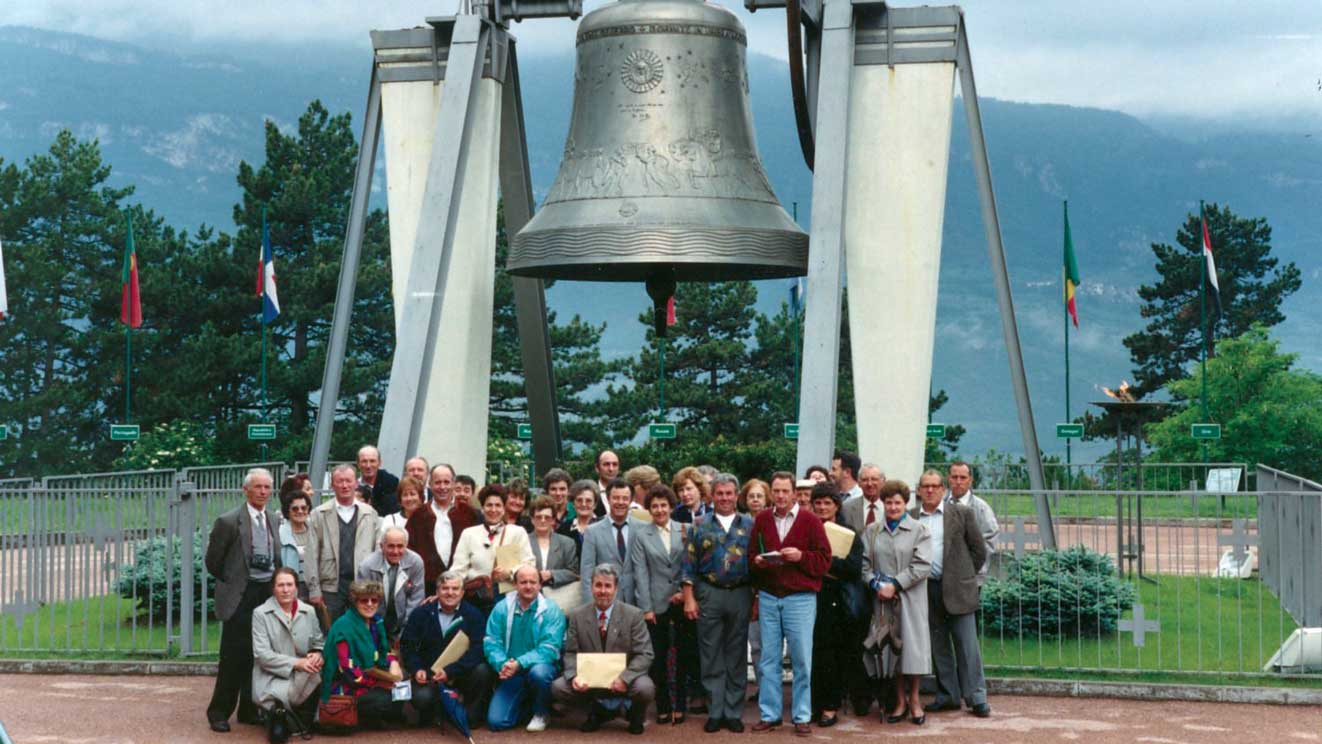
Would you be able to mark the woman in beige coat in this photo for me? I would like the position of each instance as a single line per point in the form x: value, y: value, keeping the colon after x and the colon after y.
x: 897, y: 558
x: 287, y: 660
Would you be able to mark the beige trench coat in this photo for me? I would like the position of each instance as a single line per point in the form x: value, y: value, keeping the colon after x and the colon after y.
x: 278, y: 642
x: 907, y: 557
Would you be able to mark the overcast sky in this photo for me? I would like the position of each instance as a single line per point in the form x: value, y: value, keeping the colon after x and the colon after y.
x: 1257, y: 61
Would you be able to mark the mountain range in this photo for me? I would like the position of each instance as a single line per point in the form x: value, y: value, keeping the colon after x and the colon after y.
x: 176, y: 126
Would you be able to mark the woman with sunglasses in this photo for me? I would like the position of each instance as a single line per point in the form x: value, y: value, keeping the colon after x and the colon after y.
x: 295, y: 507
x: 359, y: 651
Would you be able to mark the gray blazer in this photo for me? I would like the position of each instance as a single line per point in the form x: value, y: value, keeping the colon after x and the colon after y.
x: 853, y: 516
x: 657, y: 573
x: 599, y: 547
x: 409, y: 591
x: 626, y: 634
x: 963, y: 554
x: 227, y: 555
x: 278, y: 642
x: 561, y: 559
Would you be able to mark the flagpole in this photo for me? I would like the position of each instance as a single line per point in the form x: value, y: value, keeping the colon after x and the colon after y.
x: 128, y: 344
x: 261, y: 308
x: 1065, y: 293
x: 795, y: 323
x: 1202, y: 313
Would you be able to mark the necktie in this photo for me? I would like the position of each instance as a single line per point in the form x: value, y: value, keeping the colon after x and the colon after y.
x: 601, y: 628
x: 619, y: 544
x: 872, y: 513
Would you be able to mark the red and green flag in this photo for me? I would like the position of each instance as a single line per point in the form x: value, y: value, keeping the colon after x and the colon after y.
x: 1071, y: 272
x: 130, y: 304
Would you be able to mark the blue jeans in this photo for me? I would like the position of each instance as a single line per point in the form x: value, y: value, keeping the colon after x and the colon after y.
x: 788, y: 619
x: 507, y: 703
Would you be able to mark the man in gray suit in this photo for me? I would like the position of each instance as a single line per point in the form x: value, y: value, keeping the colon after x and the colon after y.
x: 958, y: 552
x: 607, y: 626
x: 860, y: 512
x: 607, y: 541
x: 242, y: 554
x: 399, y: 571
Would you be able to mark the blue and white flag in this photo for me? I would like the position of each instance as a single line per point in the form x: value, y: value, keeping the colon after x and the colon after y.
x: 796, y: 295
x: 266, y: 277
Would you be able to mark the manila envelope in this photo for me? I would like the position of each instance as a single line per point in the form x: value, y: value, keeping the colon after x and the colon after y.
x: 508, y: 557
x: 600, y: 670
x: 456, y: 648
x: 842, y: 539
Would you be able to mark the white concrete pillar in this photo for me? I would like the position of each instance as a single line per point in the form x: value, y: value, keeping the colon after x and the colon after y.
x: 454, y: 425
x: 899, y: 148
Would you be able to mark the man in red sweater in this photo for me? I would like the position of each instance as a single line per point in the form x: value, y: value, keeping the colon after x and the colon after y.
x: 792, y: 554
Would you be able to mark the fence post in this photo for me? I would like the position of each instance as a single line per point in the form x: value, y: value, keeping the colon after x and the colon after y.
x: 185, y: 523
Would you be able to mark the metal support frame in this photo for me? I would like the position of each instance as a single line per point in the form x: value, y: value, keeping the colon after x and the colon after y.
x: 529, y: 294
x: 991, y: 223
x: 463, y: 49
x: 826, y: 243
x: 353, y: 248
x: 938, y: 34
x: 410, y: 371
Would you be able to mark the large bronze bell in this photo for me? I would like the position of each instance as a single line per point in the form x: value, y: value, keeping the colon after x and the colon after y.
x: 661, y: 178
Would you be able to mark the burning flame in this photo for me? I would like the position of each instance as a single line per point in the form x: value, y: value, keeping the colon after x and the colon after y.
x: 1121, y: 394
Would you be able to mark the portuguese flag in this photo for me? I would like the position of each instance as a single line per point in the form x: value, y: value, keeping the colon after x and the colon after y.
x: 1071, y: 271
x: 130, y: 304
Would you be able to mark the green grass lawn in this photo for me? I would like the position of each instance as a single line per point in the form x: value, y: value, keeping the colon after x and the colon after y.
x: 98, y: 628
x: 1102, y: 504
x: 1208, y: 625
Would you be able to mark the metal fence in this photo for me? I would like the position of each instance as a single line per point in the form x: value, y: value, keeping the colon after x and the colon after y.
x: 1294, y: 522
x: 1142, y: 581
x: 1108, y: 476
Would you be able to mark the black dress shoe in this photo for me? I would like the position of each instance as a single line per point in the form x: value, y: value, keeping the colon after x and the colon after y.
x: 919, y: 720
x: 592, y: 723
x: 219, y: 725
x: 828, y: 721
x: 734, y: 725
x: 896, y: 718
x: 712, y: 725
x: 277, y: 727
x: 982, y: 710
x: 635, y: 727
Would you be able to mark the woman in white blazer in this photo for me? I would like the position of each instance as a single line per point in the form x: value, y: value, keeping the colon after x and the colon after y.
x: 475, y: 553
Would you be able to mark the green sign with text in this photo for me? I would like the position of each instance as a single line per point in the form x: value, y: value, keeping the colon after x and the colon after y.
x: 1205, y: 431
x: 261, y: 432
x: 936, y: 431
x: 123, y: 432
x: 662, y: 431
x: 791, y: 431
x: 525, y: 432
x: 1069, y: 431
x: 4, y: 432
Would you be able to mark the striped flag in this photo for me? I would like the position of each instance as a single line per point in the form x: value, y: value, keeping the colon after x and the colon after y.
x: 130, y: 302
x: 4, y: 298
x: 266, y: 277
x: 670, y: 311
x: 1209, y: 265
x: 1071, y: 272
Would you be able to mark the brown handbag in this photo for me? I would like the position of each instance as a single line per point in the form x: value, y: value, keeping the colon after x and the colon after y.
x: 338, y: 715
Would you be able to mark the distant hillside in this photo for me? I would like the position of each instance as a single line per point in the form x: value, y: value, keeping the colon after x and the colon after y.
x: 177, y: 126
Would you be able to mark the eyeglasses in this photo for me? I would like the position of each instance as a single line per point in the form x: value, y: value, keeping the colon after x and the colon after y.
x: 543, y: 516
x: 298, y: 509
x: 369, y: 601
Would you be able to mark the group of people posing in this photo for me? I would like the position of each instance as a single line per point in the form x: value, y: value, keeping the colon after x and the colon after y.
x: 410, y: 596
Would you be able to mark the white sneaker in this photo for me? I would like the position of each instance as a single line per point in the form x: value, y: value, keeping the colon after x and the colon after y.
x: 538, y: 723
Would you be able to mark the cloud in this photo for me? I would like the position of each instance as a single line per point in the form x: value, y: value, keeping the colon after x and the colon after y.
x: 1148, y: 59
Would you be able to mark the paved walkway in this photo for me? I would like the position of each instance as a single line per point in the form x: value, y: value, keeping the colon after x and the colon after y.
x: 142, y: 710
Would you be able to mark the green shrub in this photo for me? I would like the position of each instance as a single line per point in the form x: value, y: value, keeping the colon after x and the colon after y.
x: 1056, y: 594
x: 148, y: 577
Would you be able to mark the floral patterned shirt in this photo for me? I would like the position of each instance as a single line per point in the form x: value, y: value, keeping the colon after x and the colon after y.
x: 716, y: 556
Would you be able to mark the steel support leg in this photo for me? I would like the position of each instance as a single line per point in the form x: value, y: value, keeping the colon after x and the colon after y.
x: 826, y: 252
x: 529, y: 294
x: 353, y: 248
x: 410, y: 371
x: 1000, y: 274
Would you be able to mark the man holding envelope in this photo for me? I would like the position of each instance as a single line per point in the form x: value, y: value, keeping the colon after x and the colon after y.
x: 442, y: 645
x: 607, y: 654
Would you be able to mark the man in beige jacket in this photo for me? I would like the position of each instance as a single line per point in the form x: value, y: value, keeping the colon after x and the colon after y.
x: 343, y: 535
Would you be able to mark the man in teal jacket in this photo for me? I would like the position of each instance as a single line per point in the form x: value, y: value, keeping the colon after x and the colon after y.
x: 525, y: 634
